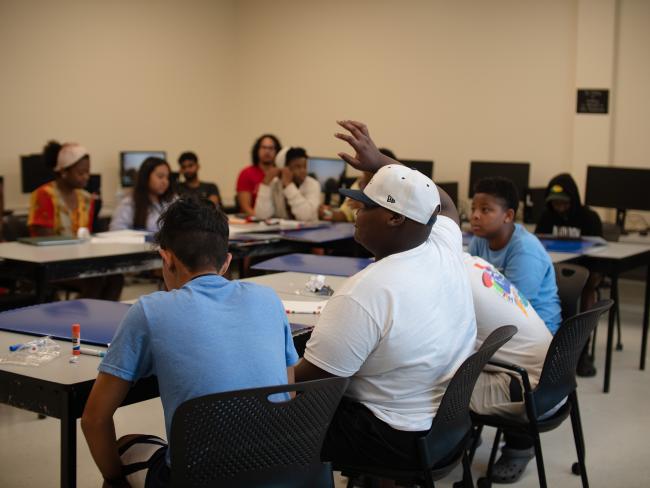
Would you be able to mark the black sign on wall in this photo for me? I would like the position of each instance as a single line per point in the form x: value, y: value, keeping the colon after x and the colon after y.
x: 593, y: 101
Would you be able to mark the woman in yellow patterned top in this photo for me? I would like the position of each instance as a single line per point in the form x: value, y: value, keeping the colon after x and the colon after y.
x: 62, y: 206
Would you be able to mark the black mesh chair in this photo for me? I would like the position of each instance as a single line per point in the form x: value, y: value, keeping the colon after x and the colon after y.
x: 244, y: 439
x: 445, y: 444
x: 557, y: 381
x: 571, y: 280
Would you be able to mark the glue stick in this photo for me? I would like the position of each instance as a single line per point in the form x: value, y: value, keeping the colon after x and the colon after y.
x: 76, y: 339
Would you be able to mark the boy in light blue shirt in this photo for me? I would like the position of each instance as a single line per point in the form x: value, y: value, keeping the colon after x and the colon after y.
x: 522, y: 259
x: 206, y: 335
x: 514, y: 251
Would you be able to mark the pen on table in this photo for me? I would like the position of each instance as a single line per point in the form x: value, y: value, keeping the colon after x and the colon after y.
x: 93, y: 352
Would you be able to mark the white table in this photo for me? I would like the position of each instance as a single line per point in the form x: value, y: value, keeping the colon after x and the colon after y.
x: 612, y: 260
x: 69, y: 261
x: 59, y: 389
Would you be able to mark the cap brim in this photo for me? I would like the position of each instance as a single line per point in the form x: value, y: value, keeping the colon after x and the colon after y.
x: 558, y: 197
x: 359, y: 196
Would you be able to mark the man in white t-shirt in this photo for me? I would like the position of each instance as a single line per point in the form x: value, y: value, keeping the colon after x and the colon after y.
x: 400, y: 328
x: 498, y: 302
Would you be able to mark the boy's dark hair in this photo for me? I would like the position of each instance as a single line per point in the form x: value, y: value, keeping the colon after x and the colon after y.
x: 294, y: 153
x: 196, y: 232
x: 501, y: 188
x: 255, y: 158
x: 188, y: 156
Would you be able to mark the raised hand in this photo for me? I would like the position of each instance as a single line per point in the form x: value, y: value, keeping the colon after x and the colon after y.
x: 367, y: 157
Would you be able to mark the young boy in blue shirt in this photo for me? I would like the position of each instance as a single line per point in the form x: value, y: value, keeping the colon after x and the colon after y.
x: 522, y: 259
x: 513, y: 250
x: 205, y: 335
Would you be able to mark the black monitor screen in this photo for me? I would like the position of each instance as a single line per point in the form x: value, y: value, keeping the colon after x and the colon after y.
x: 534, y: 204
x: 94, y: 185
x: 34, y: 172
x: 451, y: 189
x: 517, y: 172
x: 423, y: 166
x: 130, y: 162
x: 622, y: 188
x: 327, y: 171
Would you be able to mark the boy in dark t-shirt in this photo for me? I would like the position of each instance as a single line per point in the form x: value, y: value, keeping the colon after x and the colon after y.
x: 189, y: 164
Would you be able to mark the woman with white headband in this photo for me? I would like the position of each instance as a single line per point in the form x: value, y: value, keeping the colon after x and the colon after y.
x: 62, y: 206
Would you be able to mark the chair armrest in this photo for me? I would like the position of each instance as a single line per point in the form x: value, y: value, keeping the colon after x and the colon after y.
x: 516, y: 369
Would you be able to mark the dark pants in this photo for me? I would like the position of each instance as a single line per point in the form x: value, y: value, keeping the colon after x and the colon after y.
x: 357, y: 438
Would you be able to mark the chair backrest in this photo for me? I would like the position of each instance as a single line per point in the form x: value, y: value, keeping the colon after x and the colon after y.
x: 452, y: 422
x: 242, y: 438
x: 558, y: 377
x: 570, y: 279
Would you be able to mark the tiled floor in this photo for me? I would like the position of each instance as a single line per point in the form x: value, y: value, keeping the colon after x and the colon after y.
x: 617, y: 426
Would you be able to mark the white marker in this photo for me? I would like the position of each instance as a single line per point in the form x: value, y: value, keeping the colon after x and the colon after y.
x: 93, y: 352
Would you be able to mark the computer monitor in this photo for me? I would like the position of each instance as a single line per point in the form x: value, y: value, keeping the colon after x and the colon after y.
x: 619, y: 188
x: 424, y: 166
x: 517, y: 172
x: 34, y: 172
x: 451, y: 188
x: 534, y: 204
x: 94, y: 185
x: 130, y: 162
x: 328, y: 172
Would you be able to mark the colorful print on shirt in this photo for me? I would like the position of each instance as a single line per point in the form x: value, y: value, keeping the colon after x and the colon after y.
x: 491, y: 278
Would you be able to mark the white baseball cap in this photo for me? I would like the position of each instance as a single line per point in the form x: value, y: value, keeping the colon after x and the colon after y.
x: 401, y: 190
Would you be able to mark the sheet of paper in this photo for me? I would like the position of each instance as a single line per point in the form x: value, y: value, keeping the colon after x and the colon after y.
x: 296, y: 306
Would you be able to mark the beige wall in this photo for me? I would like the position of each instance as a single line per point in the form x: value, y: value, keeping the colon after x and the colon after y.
x: 114, y: 76
x: 449, y: 81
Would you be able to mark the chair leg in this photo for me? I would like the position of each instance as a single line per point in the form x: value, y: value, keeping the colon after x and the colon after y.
x: 619, y: 344
x: 541, y: 473
x: 476, y: 437
x: 468, y: 482
x: 593, y: 344
x: 428, y: 479
x: 578, y: 437
x: 493, y: 453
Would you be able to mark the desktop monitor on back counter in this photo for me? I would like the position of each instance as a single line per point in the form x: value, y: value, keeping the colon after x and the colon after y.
x: 34, y: 172
x: 451, y: 189
x: 424, y: 166
x: 130, y: 162
x: 619, y: 188
x: 517, y: 172
x: 328, y: 172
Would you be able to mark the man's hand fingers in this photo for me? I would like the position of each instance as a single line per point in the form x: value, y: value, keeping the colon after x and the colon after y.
x: 360, y: 126
x: 354, y: 162
x: 356, y: 131
x: 349, y: 139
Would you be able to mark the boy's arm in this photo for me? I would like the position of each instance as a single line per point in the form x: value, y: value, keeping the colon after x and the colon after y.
x: 97, y: 424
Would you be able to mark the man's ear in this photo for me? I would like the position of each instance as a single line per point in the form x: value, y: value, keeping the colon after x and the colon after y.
x: 167, y: 258
x: 396, y: 220
x: 225, y: 265
x: 510, y: 216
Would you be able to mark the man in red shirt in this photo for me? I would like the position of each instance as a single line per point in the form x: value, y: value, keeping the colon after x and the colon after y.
x: 263, y: 157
